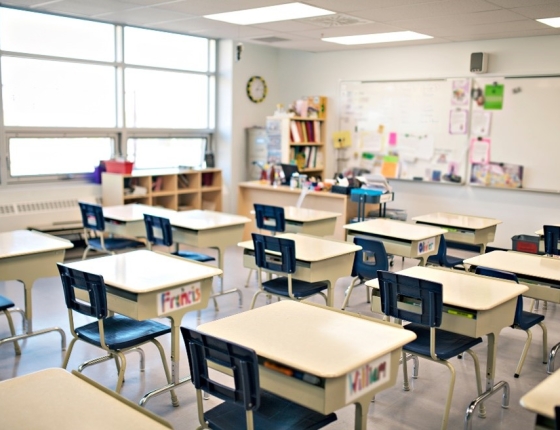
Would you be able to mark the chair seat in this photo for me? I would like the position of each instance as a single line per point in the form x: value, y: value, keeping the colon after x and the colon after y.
x: 114, y: 243
x: 528, y: 320
x: 448, y: 344
x: 300, y: 289
x: 449, y: 260
x: 196, y: 256
x: 5, y: 303
x: 274, y: 413
x: 122, y: 332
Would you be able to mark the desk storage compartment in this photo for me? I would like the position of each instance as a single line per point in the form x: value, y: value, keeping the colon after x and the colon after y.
x: 525, y: 243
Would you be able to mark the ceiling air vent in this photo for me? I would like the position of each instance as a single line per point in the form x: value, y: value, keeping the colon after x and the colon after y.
x: 272, y: 39
x: 337, y: 20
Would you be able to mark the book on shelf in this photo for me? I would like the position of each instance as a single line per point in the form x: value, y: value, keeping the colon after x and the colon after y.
x: 317, y: 131
x: 296, y: 137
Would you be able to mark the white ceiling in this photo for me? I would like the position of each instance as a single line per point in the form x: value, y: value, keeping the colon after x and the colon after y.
x: 445, y: 20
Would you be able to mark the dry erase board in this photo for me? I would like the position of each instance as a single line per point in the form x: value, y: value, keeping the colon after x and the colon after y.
x: 524, y: 130
x: 415, y: 130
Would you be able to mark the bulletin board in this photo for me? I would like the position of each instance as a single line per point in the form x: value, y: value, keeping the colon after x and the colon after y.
x: 416, y: 129
x: 523, y: 136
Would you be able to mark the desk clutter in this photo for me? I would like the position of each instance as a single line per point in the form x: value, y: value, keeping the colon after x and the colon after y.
x: 343, y: 357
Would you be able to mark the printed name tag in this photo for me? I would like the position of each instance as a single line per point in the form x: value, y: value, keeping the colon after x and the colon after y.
x: 179, y: 298
x: 427, y: 245
x: 367, y: 377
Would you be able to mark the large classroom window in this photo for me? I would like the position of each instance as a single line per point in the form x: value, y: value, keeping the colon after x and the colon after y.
x: 70, y: 98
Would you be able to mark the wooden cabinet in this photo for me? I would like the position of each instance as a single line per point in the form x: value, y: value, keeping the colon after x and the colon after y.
x: 172, y: 189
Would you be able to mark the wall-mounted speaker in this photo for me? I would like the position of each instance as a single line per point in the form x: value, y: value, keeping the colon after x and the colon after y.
x: 479, y: 62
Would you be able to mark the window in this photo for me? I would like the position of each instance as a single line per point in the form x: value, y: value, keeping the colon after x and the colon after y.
x: 155, y: 153
x: 33, y: 156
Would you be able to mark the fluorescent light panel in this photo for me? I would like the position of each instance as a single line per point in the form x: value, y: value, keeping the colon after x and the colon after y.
x: 553, y: 22
x: 362, y: 39
x: 261, y: 15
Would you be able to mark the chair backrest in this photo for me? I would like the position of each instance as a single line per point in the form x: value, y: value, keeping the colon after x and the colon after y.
x: 92, y: 216
x: 270, y: 218
x: 508, y: 276
x: 441, y: 255
x: 241, y: 361
x: 426, y: 296
x: 557, y: 417
x: 284, y: 257
x: 158, y: 230
x: 93, y: 284
x: 551, y: 238
x: 371, y: 258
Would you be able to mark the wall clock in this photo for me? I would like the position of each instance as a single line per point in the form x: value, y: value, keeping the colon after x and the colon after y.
x: 256, y: 89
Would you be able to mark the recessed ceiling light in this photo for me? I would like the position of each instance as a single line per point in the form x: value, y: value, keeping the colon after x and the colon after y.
x: 260, y: 15
x: 553, y: 22
x: 362, y: 39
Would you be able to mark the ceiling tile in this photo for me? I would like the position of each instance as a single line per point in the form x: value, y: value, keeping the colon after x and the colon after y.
x: 509, y: 4
x: 542, y: 11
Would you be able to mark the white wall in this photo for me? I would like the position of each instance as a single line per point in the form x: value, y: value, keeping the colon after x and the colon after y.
x: 521, y: 211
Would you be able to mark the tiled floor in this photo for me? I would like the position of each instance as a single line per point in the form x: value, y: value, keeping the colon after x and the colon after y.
x: 420, y: 408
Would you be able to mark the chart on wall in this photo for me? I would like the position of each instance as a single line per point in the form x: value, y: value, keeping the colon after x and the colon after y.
x: 416, y: 130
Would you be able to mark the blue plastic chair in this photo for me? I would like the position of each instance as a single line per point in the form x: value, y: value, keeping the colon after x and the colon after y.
x: 115, y: 334
x: 94, y: 228
x: 7, y: 306
x: 425, y: 316
x: 282, y: 263
x: 159, y: 232
x: 523, y: 320
x: 551, y: 238
x: 442, y: 259
x: 245, y: 405
x: 367, y: 261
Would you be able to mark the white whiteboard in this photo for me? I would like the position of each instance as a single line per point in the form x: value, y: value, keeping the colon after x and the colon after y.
x: 410, y: 119
x: 526, y: 131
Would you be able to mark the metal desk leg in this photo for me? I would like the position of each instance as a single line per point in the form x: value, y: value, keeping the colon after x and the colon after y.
x: 221, y: 252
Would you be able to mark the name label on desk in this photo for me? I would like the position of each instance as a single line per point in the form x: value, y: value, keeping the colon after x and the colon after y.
x: 367, y: 377
x: 179, y: 298
x: 427, y: 245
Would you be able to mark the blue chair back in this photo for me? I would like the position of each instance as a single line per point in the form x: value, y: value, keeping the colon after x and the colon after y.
x: 285, y: 259
x: 92, y: 216
x: 93, y: 284
x: 270, y: 218
x: 551, y: 238
x: 242, y: 362
x: 158, y: 230
x: 427, y: 295
x: 371, y: 258
x: 508, y: 276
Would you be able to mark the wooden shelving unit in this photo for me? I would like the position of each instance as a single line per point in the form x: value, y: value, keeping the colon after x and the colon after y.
x: 172, y: 189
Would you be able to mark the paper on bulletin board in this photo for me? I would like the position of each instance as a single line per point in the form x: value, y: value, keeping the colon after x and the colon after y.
x: 494, y: 96
x: 480, y: 150
x: 413, y: 146
x: 480, y: 122
x: 371, y: 141
x: 460, y: 92
x: 458, y: 119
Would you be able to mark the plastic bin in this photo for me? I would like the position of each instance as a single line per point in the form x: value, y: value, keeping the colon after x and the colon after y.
x: 114, y: 166
x: 525, y: 243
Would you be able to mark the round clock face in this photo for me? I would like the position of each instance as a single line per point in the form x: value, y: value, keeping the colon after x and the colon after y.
x: 256, y: 89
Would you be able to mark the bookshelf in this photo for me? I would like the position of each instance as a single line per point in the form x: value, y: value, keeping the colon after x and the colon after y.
x: 298, y: 139
x: 170, y: 188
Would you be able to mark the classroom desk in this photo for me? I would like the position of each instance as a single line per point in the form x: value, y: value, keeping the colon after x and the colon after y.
x: 542, y: 399
x: 471, y: 230
x: 310, y: 221
x: 142, y: 285
x: 27, y: 256
x: 317, y: 259
x: 399, y: 238
x: 55, y: 399
x: 128, y: 220
x: 337, y: 350
x: 473, y: 306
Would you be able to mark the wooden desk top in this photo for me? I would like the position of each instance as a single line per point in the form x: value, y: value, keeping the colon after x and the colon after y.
x: 466, y: 290
x: 135, y: 212
x: 395, y: 229
x: 145, y: 271
x: 54, y: 399
x: 206, y: 220
x: 23, y: 242
x: 307, y: 215
x: 314, y: 339
x: 544, y: 397
x: 519, y: 262
x: 313, y: 248
x: 457, y: 220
